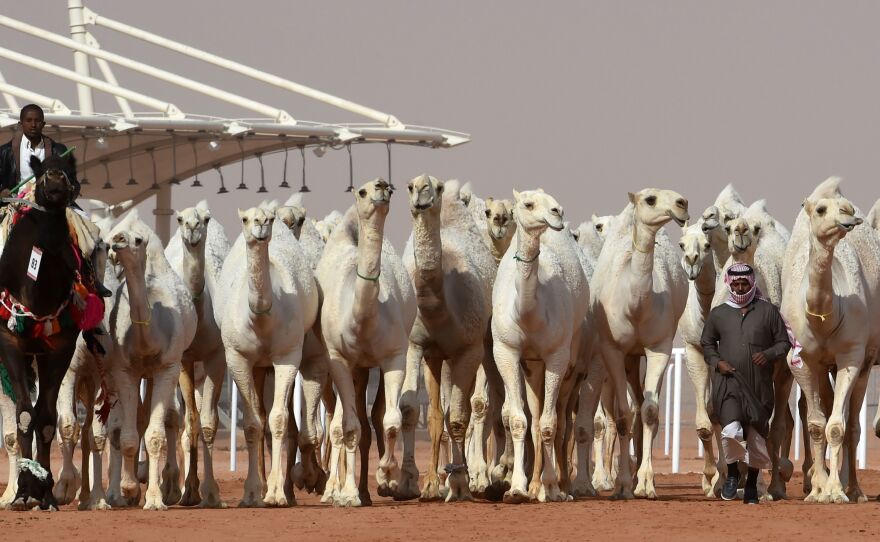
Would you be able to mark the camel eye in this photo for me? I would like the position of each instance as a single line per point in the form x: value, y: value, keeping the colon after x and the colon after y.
x: 244, y: 220
x: 681, y: 246
x: 301, y: 221
x: 488, y: 213
x: 727, y: 229
x: 180, y: 220
x: 599, y: 227
x: 409, y: 187
x: 821, y: 210
x: 529, y: 206
x: 651, y: 200
x: 138, y: 241
x: 362, y: 193
x: 707, y: 246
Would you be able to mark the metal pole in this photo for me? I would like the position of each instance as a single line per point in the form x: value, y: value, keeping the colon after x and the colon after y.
x: 163, y: 212
x: 297, y: 406
x: 676, y: 415
x: 797, y: 422
x: 143, y: 391
x: 233, y: 432
x: 80, y: 59
x: 666, y: 413
x: 863, y: 440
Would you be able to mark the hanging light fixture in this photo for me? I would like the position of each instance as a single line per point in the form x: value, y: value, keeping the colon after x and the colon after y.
x: 284, y: 178
x: 84, y: 180
x: 131, y: 180
x: 320, y: 150
x: 101, y: 142
x: 214, y: 145
x: 241, y: 185
x: 262, y: 188
x: 174, y: 179
x: 196, y: 183
x: 107, y: 185
x: 222, y: 184
x: 303, y: 188
x: 152, y: 152
x: 350, y: 170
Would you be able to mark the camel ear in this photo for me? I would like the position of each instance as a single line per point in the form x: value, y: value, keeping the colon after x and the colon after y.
x: 241, y: 214
x: 756, y: 230
x: 541, y: 190
x: 808, y: 206
x: 207, y: 214
x: 576, y: 234
x: 593, y: 218
x: 632, y: 198
x: 439, y: 186
x: 515, y: 195
x: 489, y: 201
x: 686, y: 224
x: 37, y: 167
x: 488, y: 213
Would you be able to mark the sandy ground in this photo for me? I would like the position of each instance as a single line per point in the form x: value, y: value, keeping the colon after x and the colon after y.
x: 681, y: 512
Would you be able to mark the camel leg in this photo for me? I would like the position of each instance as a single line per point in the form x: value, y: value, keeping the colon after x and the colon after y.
x: 445, y: 440
x: 507, y: 360
x: 853, y: 431
x: 476, y: 456
x: 463, y: 372
x: 556, y: 367
x: 565, y: 408
x: 361, y: 377
x: 847, y: 373
x: 252, y: 425
x: 347, y: 433
x: 534, y: 379
x: 328, y: 397
x: 499, y: 417
x: 155, y: 436
x: 699, y: 373
x: 98, y: 441
x: 589, y: 396
x: 191, y: 495
x: 408, y: 485
x: 431, y: 487
x: 114, y: 432
x: 602, y: 476
x: 170, y: 479
x: 334, y: 473
x: 377, y: 414
x: 809, y: 383
x: 69, y: 478
x: 10, y: 440
x: 657, y: 360
x: 285, y: 376
x: 807, y: 465
x: 387, y: 473
x: 215, y: 373
x: 615, y: 367
x: 88, y: 395
x: 314, y: 379
x: 782, y: 380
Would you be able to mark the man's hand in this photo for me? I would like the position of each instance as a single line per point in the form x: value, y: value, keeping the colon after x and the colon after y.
x: 725, y: 368
x: 759, y: 359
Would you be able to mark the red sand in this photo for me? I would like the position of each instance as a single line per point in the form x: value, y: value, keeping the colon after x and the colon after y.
x: 681, y: 513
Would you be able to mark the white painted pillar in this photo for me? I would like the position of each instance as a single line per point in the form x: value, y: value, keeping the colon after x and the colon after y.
x: 297, y: 407
x: 797, y: 422
x: 676, y: 414
x: 862, y: 450
x: 80, y: 59
x: 233, y: 431
x: 143, y: 392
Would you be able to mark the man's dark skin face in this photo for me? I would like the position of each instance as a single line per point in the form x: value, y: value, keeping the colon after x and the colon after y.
x: 741, y: 287
x: 32, y: 126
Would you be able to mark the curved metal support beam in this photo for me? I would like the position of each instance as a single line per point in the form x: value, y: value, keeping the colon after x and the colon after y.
x: 56, y: 105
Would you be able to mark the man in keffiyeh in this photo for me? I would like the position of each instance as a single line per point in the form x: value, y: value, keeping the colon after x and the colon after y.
x: 742, y: 339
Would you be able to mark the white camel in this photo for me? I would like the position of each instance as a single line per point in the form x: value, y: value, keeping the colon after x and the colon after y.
x: 540, y: 300
x: 196, y: 253
x: 151, y: 323
x: 639, y: 294
x: 832, y: 302
x: 270, y: 302
x: 451, y: 270
x: 368, y: 310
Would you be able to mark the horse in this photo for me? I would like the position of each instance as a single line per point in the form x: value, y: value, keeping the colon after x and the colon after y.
x: 42, y: 303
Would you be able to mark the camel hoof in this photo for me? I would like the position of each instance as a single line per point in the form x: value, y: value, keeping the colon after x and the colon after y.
x: 495, y: 492
x: 190, y: 498
x: 347, y: 500
x: 583, y: 490
x: 19, y: 505
x: 365, y: 498
x: 156, y: 505
x: 67, y: 487
x: 100, y: 505
x: 622, y: 494
x: 297, y: 476
x: 516, y: 496
x: 431, y: 491
x: 856, y: 496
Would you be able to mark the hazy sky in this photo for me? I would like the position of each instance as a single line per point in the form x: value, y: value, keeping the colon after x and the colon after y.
x: 585, y: 99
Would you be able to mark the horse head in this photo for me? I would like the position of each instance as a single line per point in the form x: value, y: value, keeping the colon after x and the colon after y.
x: 53, y: 187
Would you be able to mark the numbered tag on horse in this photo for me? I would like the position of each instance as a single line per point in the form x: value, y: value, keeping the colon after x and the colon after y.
x: 33, y: 270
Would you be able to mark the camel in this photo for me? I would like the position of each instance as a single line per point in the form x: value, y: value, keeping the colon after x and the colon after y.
x: 196, y: 253
x: 639, y: 294
x: 325, y: 225
x: 540, y: 300
x: 152, y: 322
x: 270, y: 302
x: 368, y: 310
x: 832, y: 270
x: 451, y: 269
x: 696, y: 260
x: 728, y: 205
x: 873, y: 218
x: 589, y: 239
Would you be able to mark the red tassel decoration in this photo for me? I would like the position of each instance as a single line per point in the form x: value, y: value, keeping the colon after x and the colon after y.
x: 93, y: 313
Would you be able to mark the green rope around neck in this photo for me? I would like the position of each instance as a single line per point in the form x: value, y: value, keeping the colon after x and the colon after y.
x: 517, y: 258
x: 372, y: 279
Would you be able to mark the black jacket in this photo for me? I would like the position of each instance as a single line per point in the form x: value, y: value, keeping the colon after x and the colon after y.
x: 9, y: 161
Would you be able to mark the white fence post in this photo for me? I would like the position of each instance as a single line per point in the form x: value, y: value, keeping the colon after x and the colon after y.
x: 233, y: 432
x: 862, y: 450
x: 297, y: 406
x: 797, y: 422
x: 676, y: 413
x: 143, y: 395
x: 667, y: 412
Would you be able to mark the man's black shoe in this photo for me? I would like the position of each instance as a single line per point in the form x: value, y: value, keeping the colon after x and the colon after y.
x: 750, y: 495
x: 728, y: 490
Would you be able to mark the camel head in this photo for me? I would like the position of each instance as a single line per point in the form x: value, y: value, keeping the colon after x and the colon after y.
x: 193, y: 225
x: 499, y: 218
x: 831, y: 219
x: 655, y: 207
x: 696, y: 250
x: 256, y: 223
x: 373, y: 199
x: 535, y: 211
x: 742, y: 237
x: 602, y: 224
x: 716, y: 217
x: 128, y: 248
x: 293, y: 217
x: 425, y: 192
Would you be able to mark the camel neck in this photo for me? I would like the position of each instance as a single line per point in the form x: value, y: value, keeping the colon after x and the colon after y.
x: 527, y: 256
x: 820, y: 291
x: 259, y: 279
x: 194, y: 270
x: 428, y: 276
x: 498, y: 246
x: 643, y: 239
x: 705, y: 288
x: 369, y: 266
x: 140, y: 308
x: 720, y: 252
